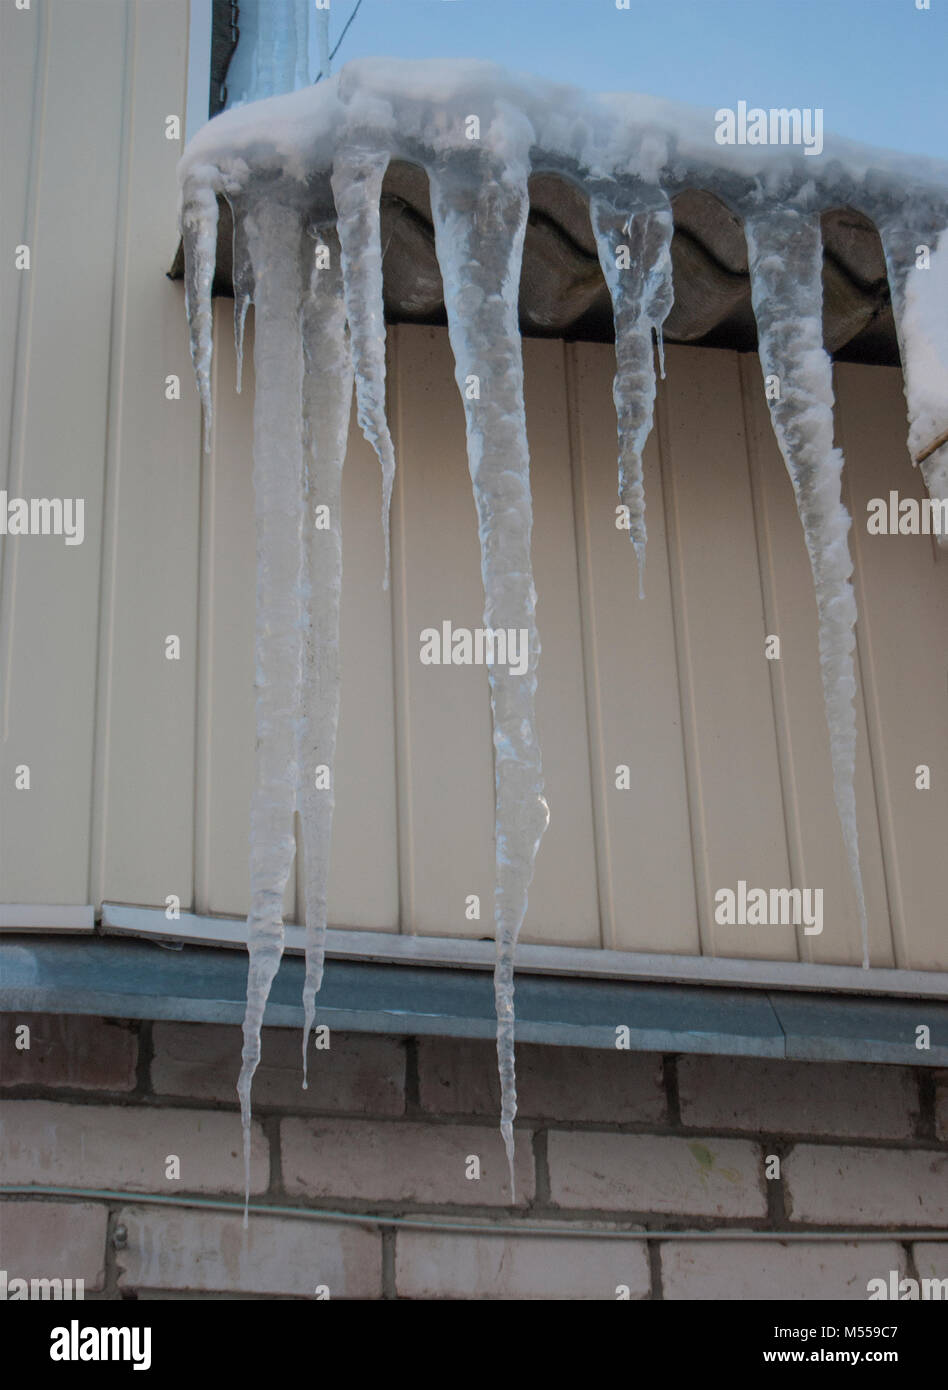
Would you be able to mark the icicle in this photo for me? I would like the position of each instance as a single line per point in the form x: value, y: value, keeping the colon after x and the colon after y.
x: 786, y: 265
x: 480, y: 212
x: 357, y: 188
x: 660, y: 343
x: 327, y: 400
x: 243, y: 290
x: 199, y: 234
x: 635, y: 255
x: 917, y: 263
x: 274, y: 240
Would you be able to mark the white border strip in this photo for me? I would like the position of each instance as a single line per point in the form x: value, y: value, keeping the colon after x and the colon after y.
x: 37, y: 917
x: 462, y: 953
x: 199, y: 67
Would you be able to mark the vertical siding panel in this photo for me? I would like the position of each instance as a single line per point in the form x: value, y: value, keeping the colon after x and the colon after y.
x: 205, y: 721
x: 49, y: 607
x: 902, y: 592
x: 23, y: 45
x: 733, y: 768
x: 404, y: 783
x: 226, y: 700
x: 445, y: 767
x: 563, y: 905
x: 446, y: 764
x: 151, y: 580
x: 646, y: 876
x: 363, y: 871
x: 817, y: 853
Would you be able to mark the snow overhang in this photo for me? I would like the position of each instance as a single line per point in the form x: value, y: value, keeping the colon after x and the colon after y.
x: 593, y: 170
x: 624, y: 145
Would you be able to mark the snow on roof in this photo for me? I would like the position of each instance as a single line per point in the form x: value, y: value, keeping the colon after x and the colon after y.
x: 423, y: 106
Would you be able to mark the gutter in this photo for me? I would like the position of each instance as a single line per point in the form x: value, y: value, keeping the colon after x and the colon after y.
x: 203, y: 984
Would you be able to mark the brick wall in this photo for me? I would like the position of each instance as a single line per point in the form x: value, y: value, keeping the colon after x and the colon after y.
x: 393, y: 1127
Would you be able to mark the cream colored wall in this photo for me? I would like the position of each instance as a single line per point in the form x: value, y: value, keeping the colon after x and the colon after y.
x: 92, y: 330
x: 141, y: 768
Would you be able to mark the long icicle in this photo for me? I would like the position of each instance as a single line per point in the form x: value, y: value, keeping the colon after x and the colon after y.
x: 916, y: 257
x: 198, y: 226
x: 480, y: 215
x: 785, y: 253
x: 357, y: 189
x: 274, y: 234
x: 243, y: 291
x: 635, y: 255
x: 327, y: 401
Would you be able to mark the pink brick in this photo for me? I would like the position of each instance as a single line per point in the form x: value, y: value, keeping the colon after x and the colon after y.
x: 53, y: 1240
x: 74, y: 1050
x: 358, y: 1072
x: 208, y: 1252
x: 719, y: 1270
x: 459, y: 1076
x: 761, y: 1095
x: 430, y: 1264
x: 125, y: 1147
x: 871, y: 1187
x: 400, y: 1162
x: 642, y: 1172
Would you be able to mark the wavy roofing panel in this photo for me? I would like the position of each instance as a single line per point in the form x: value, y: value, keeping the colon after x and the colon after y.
x: 563, y: 293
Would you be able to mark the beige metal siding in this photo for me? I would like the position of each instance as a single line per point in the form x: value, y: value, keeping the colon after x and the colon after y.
x: 646, y: 874
x: 143, y: 830
x: 142, y: 767
x: 59, y: 316
x: 902, y: 591
x: 814, y: 843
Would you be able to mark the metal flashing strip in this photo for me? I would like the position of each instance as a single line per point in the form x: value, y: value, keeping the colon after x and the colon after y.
x: 147, y: 980
x: 47, y: 917
x: 465, y: 953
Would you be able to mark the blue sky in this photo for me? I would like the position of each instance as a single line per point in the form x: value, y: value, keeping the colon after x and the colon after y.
x: 878, y: 68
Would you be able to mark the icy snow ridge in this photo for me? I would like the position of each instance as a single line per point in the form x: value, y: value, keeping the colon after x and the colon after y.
x: 293, y: 166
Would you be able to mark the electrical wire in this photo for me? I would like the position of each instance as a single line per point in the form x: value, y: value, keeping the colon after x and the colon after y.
x: 448, y: 1226
x: 345, y: 29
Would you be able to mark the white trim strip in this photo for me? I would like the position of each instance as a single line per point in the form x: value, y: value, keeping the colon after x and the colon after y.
x: 199, y: 67
x: 463, y: 953
x: 37, y: 917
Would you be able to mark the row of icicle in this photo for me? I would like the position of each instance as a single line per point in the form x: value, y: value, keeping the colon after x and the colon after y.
x: 319, y: 324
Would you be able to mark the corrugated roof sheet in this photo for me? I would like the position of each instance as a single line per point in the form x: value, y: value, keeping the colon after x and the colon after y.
x: 563, y: 293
